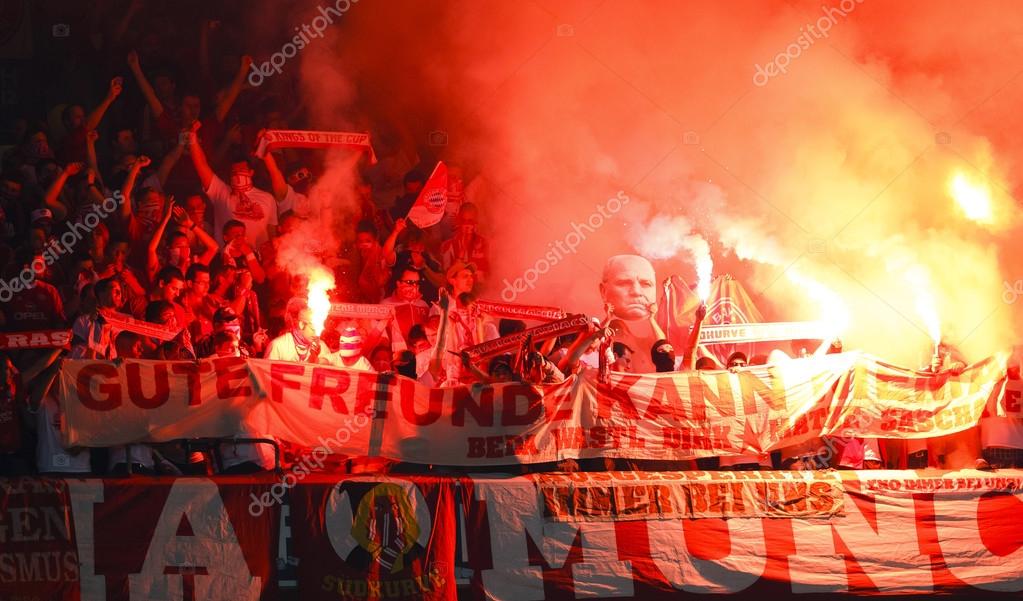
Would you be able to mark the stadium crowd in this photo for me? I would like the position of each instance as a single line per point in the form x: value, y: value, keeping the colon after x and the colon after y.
x: 146, y: 203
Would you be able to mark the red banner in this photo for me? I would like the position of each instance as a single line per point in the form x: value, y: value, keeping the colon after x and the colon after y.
x: 515, y: 311
x: 188, y: 538
x: 38, y: 556
x: 40, y: 339
x: 375, y: 538
x: 900, y: 533
x: 550, y: 536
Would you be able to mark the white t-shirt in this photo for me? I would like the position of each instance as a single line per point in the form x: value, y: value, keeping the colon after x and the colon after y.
x: 283, y: 348
x: 257, y: 210
x: 51, y: 456
x: 304, y: 207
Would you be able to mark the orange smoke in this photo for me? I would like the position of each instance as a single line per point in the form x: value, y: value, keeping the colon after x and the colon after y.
x: 833, y: 312
x: 835, y: 163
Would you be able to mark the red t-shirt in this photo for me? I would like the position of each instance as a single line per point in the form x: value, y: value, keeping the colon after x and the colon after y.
x: 38, y: 308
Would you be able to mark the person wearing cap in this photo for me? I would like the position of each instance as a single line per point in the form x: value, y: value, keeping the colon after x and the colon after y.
x: 292, y: 194
x: 42, y: 218
x: 349, y: 352
x: 736, y: 360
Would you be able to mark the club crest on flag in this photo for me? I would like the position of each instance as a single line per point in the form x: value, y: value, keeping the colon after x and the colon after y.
x: 432, y: 201
x: 388, y: 522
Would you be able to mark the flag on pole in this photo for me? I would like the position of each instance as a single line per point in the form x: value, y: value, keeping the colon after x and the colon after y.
x: 429, y: 207
x: 675, y: 310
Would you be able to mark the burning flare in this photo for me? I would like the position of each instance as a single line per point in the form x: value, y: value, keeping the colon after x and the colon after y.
x: 972, y: 197
x: 320, y: 282
x: 704, y: 264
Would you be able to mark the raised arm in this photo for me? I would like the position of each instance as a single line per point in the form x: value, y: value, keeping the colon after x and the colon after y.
x: 654, y: 326
x: 475, y: 371
x: 90, y: 151
x: 153, y: 261
x: 93, y: 119
x: 94, y: 191
x: 258, y: 275
x: 689, y: 358
x: 147, y: 89
x: 169, y: 160
x: 202, y: 167
x: 277, y: 183
x: 579, y: 346
x: 129, y: 184
x: 129, y: 14
x: 52, y: 198
x: 390, y: 257
x: 207, y: 241
x: 231, y: 95
x: 442, y: 333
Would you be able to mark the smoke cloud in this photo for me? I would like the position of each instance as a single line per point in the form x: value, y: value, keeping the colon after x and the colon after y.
x: 826, y: 176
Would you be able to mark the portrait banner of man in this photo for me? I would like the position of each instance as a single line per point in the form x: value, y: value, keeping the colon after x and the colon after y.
x: 628, y: 288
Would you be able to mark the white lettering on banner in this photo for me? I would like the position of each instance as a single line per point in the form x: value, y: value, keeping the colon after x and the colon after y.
x: 514, y: 515
x: 83, y: 496
x: 744, y: 565
x: 211, y: 560
x: 817, y: 567
x: 600, y: 574
x: 1009, y: 403
x: 958, y: 528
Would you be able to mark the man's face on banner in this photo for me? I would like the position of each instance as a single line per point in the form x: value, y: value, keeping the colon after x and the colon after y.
x: 628, y: 286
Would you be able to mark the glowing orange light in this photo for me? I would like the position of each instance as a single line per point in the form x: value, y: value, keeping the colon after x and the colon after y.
x: 320, y: 281
x: 700, y: 250
x: 972, y: 197
x: 926, y: 307
x: 834, y: 314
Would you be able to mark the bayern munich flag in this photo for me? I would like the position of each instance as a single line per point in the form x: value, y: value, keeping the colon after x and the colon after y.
x: 433, y: 198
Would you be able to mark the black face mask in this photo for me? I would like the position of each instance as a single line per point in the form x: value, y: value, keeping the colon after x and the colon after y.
x: 407, y: 369
x: 663, y: 360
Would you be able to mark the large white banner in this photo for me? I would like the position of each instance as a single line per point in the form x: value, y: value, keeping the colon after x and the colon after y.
x: 673, y: 416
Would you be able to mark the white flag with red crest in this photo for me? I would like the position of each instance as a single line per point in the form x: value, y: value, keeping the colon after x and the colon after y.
x: 433, y: 198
